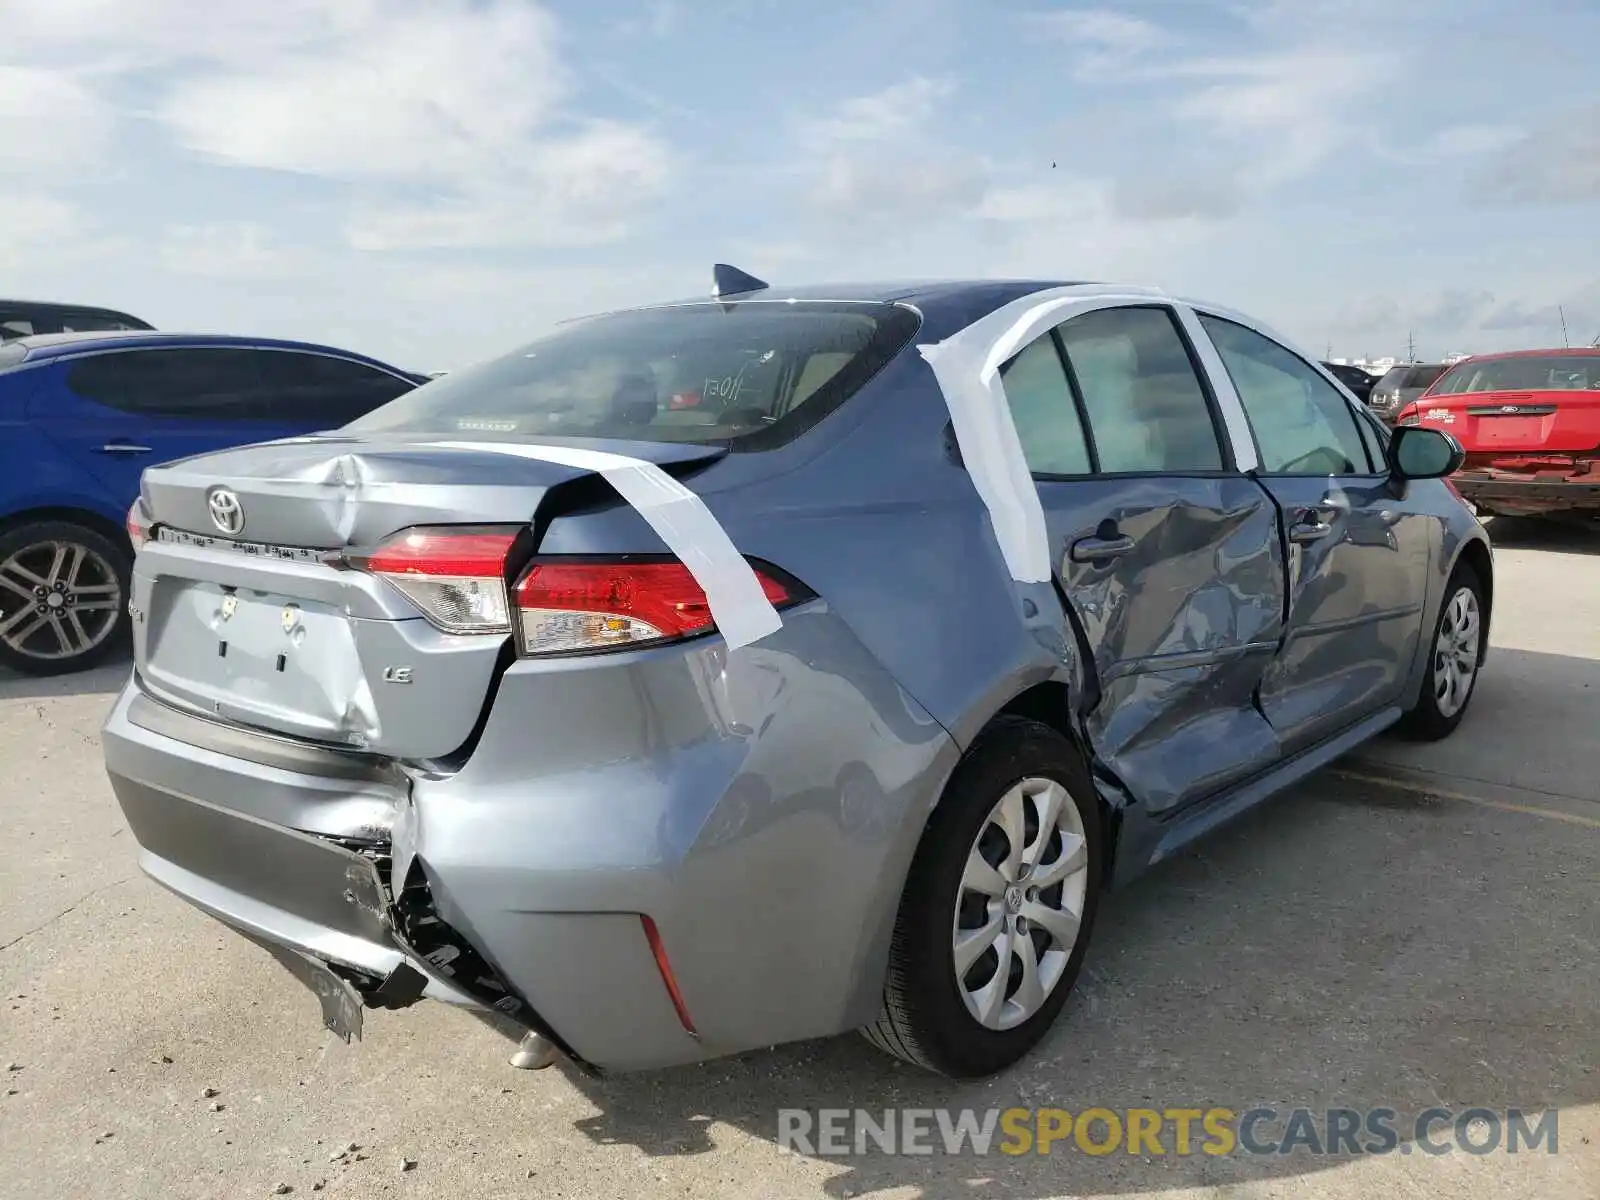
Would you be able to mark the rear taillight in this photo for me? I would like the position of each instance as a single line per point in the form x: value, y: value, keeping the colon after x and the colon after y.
x: 1409, y: 415
x: 455, y: 576
x: 138, y: 526
x: 585, y: 605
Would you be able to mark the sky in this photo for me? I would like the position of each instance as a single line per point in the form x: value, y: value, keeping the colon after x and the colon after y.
x: 437, y: 181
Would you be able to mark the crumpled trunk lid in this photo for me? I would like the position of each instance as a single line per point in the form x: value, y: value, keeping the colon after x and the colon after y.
x: 246, y: 610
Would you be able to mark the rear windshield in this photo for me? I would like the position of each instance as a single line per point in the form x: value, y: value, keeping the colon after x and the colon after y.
x: 1559, y: 372
x: 753, y: 374
x: 1411, y: 377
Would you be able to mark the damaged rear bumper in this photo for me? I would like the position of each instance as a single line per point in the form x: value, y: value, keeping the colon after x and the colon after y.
x: 1527, y: 493
x: 300, y: 864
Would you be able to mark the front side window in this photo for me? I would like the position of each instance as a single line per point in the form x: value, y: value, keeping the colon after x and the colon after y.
x: 750, y: 374
x: 1303, y: 425
x: 220, y: 383
x: 1145, y: 404
x: 1042, y: 409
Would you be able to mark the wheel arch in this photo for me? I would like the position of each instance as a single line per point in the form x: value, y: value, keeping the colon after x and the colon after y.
x: 71, y: 514
x: 1475, y: 553
x: 1050, y: 702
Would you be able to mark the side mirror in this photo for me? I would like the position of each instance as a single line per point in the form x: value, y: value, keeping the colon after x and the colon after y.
x: 1418, y: 452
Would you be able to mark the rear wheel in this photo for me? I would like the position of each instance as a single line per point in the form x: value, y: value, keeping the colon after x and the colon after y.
x: 63, y: 597
x: 997, y: 912
x: 1459, y: 640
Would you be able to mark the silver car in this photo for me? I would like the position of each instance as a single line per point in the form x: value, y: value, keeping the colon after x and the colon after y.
x: 719, y: 674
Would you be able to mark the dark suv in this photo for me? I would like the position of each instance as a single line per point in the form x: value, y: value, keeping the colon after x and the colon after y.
x: 24, y: 318
x: 1401, y: 385
x: 1358, y: 381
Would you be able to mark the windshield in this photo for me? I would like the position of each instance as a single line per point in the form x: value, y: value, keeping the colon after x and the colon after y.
x: 753, y: 374
x: 1528, y: 373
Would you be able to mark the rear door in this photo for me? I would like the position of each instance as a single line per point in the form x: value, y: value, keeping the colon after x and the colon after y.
x: 1358, y: 551
x: 1169, y: 558
x: 118, y: 412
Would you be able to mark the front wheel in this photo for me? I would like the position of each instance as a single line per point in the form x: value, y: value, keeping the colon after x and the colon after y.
x: 998, y: 908
x: 1459, y: 640
x: 63, y: 597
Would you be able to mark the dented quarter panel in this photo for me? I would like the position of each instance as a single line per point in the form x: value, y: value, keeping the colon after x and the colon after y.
x: 688, y: 785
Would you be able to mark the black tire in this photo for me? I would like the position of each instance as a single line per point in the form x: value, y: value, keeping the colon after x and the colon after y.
x: 28, y: 544
x: 1425, y: 721
x: 925, y: 1019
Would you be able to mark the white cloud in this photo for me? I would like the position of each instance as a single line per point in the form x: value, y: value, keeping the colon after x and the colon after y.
x: 1557, y: 164
x: 585, y: 189
x: 1290, y: 109
x: 33, y: 224
x: 1102, y: 41
x: 50, y: 122
x: 1466, y: 141
x: 897, y: 188
x: 880, y: 116
x: 420, y: 95
x: 130, y: 34
x: 229, y: 250
x: 460, y: 107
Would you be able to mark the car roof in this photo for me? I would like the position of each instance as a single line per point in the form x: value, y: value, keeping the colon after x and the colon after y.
x: 58, y: 306
x: 44, y: 347
x: 946, y: 304
x: 1558, y: 352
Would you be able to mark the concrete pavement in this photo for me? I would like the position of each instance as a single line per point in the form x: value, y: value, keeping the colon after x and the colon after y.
x: 1356, y: 944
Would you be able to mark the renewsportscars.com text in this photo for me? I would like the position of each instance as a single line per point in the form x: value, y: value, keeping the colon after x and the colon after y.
x: 836, y: 1132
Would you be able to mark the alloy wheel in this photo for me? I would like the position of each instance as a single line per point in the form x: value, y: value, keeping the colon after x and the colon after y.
x: 1021, y: 902
x: 1456, y: 652
x: 58, y: 600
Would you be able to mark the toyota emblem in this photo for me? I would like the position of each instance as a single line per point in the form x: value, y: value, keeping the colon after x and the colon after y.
x: 227, y: 514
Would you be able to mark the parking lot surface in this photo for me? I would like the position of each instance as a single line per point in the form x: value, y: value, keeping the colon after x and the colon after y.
x: 1413, y: 929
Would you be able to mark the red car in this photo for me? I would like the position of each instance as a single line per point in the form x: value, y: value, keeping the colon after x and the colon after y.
x: 1530, y: 424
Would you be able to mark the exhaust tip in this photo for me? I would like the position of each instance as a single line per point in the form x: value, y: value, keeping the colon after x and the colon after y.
x: 535, y: 1053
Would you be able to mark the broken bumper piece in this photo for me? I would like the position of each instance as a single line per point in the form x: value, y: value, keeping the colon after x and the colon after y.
x: 319, y: 902
x: 1518, y: 493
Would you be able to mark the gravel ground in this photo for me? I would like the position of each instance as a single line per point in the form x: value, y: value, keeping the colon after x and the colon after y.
x: 1417, y: 928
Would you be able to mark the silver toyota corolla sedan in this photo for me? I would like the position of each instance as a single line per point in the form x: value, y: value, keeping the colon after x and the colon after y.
x: 724, y: 673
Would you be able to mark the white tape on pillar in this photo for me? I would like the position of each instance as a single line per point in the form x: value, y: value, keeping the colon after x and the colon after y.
x: 681, y: 519
x: 967, y: 366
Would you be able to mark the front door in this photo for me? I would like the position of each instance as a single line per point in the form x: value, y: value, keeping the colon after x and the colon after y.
x: 120, y: 412
x: 1358, y: 554
x: 1170, y: 560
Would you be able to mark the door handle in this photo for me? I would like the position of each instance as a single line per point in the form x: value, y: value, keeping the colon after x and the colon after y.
x: 1315, y: 523
x: 1309, y: 531
x: 1100, y: 549
x: 123, y: 448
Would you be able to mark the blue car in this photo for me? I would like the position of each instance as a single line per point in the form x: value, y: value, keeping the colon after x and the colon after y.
x: 83, y: 414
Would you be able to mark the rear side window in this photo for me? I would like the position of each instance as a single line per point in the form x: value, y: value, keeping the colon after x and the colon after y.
x: 1303, y: 425
x: 1042, y: 409
x: 1421, y: 377
x: 1554, y: 372
x: 321, y: 389
x: 752, y: 374
x: 215, y: 383
x: 1146, y: 407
